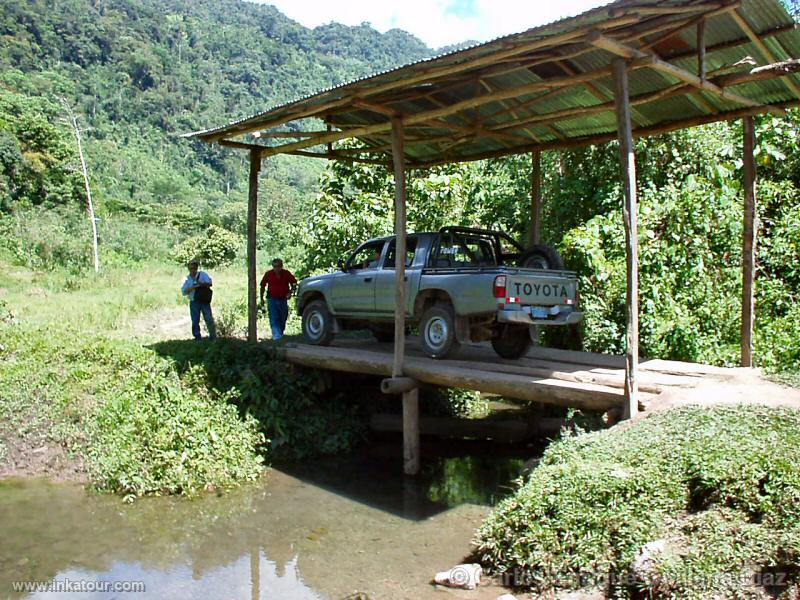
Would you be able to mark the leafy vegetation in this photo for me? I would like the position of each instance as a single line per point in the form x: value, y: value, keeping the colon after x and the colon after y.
x: 716, y: 488
x: 139, y: 74
x: 295, y: 408
x: 215, y: 248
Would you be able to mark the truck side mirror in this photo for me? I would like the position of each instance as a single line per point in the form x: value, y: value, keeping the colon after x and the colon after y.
x: 341, y: 266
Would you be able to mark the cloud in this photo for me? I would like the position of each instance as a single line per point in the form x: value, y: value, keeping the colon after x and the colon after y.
x: 436, y: 22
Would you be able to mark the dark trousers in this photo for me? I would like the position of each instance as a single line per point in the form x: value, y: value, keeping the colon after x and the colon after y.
x: 195, y: 310
x: 278, y: 314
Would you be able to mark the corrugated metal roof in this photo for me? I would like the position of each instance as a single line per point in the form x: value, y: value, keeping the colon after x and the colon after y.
x: 452, y: 95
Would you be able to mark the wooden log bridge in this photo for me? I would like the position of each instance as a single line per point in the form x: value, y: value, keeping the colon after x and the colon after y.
x: 565, y: 378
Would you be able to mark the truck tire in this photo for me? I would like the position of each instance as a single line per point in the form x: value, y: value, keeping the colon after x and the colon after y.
x: 437, y: 331
x: 317, y: 323
x: 541, y: 257
x: 512, y: 342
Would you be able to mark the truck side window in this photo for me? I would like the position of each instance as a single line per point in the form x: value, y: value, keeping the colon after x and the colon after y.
x: 366, y: 257
x: 411, y: 251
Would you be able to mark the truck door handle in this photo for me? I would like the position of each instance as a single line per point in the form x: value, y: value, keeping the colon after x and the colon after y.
x: 367, y: 279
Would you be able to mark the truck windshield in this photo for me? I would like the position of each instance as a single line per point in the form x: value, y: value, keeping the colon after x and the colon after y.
x: 461, y: 249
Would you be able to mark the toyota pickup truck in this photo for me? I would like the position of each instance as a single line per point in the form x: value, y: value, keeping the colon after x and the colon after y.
x: 462, y: 285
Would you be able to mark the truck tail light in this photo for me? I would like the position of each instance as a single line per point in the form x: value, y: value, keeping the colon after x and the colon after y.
x: 500, y: 287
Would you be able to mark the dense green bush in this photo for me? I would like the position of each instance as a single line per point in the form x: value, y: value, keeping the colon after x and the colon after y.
x: 718, y: 486
x: 293, y: 407
x: 40, y: 238
x: 216, y: 247
x: 161, y: 434
x: 690, y: 282
x: 690, y: 274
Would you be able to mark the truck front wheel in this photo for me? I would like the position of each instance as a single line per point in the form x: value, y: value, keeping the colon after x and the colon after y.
x: 318, y: 323
x: 512, y: 342
x: 438, y: 331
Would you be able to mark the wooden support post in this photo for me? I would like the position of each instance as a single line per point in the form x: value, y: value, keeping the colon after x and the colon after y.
x: 535, y: 230
x: 629, y: 209
x: 411, y: 432
x: 252, y: 218
x: 410, y: 397
x: 398, y: 385
x: 400, y: 246
x: 748, y: 241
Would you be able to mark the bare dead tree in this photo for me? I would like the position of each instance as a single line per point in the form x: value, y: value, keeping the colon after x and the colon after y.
x: 89, y: 206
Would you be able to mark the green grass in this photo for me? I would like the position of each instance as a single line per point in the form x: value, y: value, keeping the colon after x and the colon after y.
x: 109, y: 301
x: 719, y: 486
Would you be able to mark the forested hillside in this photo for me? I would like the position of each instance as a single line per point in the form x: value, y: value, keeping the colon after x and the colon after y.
x: 139, y: 73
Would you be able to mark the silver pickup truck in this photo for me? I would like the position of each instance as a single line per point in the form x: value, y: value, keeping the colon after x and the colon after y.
x: 462, y: 285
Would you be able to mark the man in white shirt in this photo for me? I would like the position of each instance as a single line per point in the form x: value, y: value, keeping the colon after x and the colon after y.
x: 194, y: 281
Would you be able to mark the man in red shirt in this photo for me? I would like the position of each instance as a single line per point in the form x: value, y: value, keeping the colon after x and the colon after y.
x: 280, y: 285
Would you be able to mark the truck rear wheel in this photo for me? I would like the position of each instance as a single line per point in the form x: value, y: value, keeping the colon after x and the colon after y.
x: 512, y: 342
x: 318, y: 323
x: 541, y: 257
x: 438, y: 331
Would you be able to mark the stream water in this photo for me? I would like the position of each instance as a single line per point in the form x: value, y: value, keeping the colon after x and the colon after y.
x: 332, y: 528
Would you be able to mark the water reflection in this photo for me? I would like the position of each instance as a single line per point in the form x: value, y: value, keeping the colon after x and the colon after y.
x: 251, y: 576
x: 322, y: 529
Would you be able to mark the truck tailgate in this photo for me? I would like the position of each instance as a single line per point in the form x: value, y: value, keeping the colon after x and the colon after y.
x: 541, y: 289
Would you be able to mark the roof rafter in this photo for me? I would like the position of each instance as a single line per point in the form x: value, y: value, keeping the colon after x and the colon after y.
x: 769, y: 56
x: 548, y: 87
x: 629, y: 52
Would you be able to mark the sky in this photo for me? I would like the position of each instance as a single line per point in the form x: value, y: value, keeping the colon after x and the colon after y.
x: 436, y: 22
